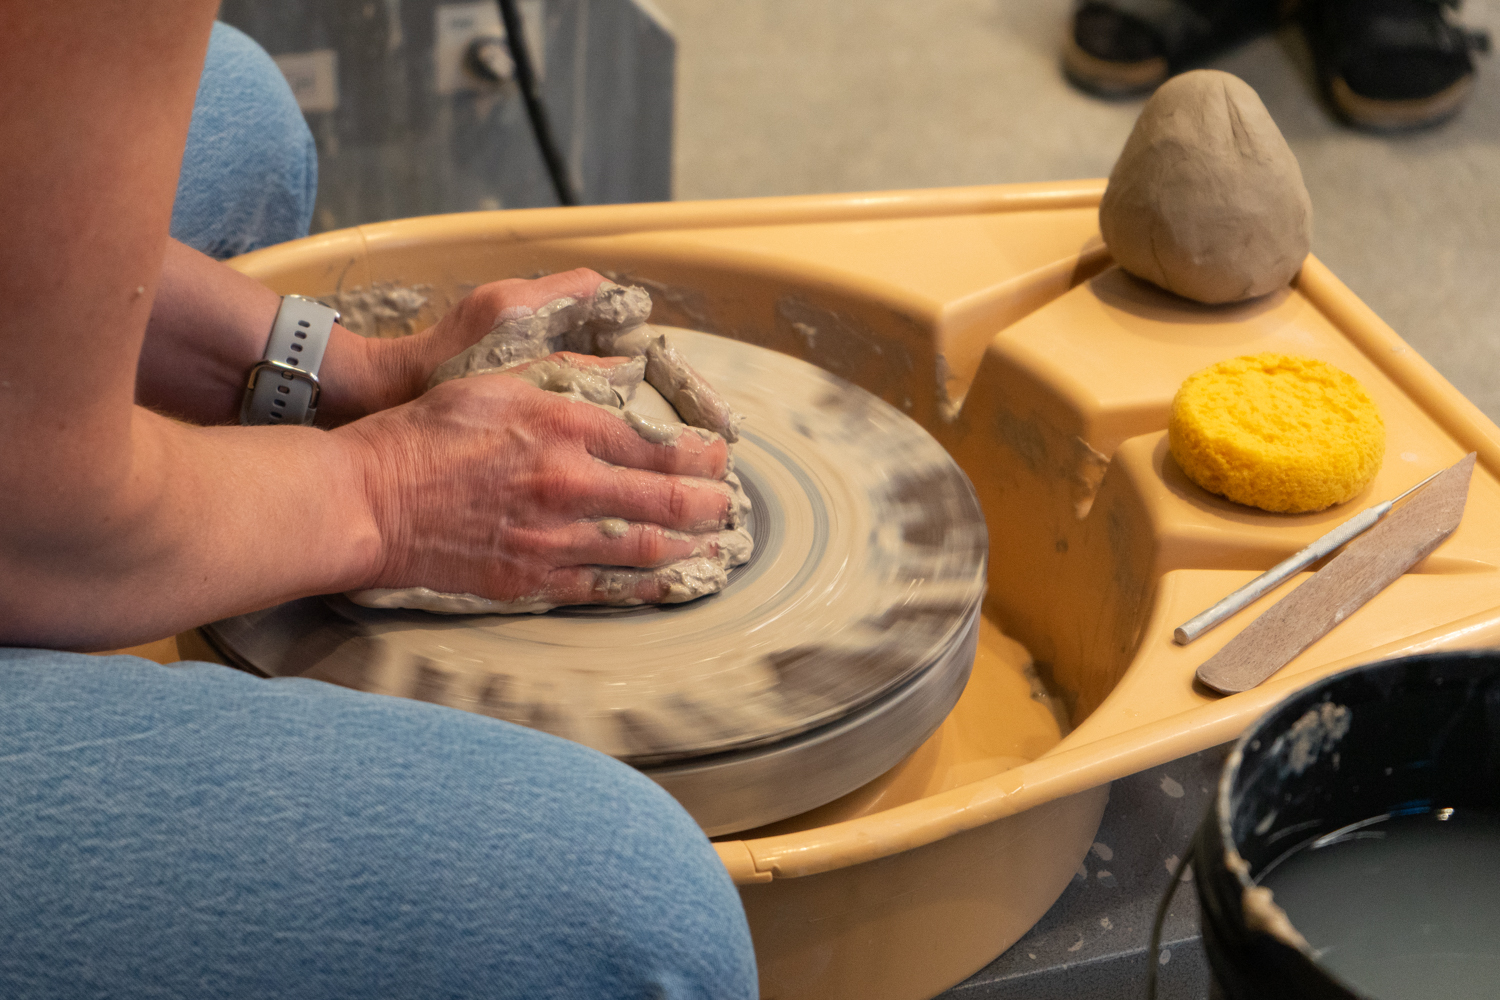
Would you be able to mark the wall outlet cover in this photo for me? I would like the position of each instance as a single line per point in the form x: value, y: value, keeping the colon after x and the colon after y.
x: 458, y: 24
x: 314, y: 78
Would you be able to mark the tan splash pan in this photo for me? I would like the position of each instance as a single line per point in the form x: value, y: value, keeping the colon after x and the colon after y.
x: 992, y: 316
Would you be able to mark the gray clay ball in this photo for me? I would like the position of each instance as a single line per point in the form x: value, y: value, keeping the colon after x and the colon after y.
x: 1207, y: 200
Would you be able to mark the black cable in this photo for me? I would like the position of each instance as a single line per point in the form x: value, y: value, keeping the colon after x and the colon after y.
x: 1153, y: 955
x: 541, y: 127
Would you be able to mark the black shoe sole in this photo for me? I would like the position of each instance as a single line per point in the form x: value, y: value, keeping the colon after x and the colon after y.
x: 1108, y: 78
x: 1398, y: 116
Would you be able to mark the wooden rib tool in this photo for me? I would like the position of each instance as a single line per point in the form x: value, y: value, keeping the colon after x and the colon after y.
x: 1290, y: 567
x: 1367, y: 566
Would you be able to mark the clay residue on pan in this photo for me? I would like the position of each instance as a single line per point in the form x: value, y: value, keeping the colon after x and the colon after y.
x: 1046, y: 452
x: 841, y: 344
x: 384, y: 309
x: 1089, y: 466
x: 948, y: 407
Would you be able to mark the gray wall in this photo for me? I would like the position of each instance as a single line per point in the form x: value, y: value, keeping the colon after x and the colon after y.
x: 391, y: 145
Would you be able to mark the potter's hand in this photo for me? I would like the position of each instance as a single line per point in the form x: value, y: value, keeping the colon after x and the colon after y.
x: 482, y: 311
x: 590, y: 316
x: 496, y: 490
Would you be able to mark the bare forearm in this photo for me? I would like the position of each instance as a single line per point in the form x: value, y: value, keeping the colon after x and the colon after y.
x: 209, y: 324
x: 117, y: 524
x: 198, y: 524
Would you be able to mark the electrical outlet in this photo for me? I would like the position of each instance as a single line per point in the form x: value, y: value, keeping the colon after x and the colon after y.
x: 459, y: 24
x: 314, y: 78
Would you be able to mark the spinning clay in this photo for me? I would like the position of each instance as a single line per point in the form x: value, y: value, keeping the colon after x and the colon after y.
x: 1207, y: 200
x: 611, y: 323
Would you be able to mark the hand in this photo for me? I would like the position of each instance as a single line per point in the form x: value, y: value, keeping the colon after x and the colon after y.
x: 478, y: 314
x: 491, y: 486
x: 609, y: 322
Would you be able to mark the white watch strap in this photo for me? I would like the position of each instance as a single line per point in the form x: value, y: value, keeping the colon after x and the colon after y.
x: 283, y: 388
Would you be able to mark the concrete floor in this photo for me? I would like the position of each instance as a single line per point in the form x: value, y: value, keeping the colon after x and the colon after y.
x: 804, y: 96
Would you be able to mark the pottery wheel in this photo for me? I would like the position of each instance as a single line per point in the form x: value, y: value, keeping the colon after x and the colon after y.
x: 835, y: 651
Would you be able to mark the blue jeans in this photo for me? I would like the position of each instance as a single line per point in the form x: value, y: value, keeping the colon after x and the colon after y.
x: 250, y: 170
x: 192, y: 831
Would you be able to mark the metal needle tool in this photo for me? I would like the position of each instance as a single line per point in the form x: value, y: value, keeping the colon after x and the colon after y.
x: 1273, y: 577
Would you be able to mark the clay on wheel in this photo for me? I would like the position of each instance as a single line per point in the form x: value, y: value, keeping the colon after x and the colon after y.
x: 609, y: 324
x: 868, y: 569
x: 1207, y: 200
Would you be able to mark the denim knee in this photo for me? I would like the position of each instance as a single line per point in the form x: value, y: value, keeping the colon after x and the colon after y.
x: 674, y: 926
x: 194, y: 830
x: 250, y: 170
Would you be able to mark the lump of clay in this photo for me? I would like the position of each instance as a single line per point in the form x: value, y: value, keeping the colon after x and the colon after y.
x: 1207, y: 200
x: 657, y: 393
x: 611, y: 324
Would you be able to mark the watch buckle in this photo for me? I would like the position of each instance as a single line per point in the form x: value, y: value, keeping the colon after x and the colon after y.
x: 287, y: 372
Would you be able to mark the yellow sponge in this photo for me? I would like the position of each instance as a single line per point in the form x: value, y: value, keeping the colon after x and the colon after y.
x: 1277, y: 432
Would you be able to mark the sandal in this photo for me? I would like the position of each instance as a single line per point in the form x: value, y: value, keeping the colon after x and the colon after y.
x: 1390, y: 65
x: 1122, y: 47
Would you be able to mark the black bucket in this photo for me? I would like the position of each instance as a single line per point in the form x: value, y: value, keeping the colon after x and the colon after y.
x: 1351, y: 766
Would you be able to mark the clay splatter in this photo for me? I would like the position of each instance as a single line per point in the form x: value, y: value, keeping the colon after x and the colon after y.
x: 385, y: 309
x: 1313, y: 734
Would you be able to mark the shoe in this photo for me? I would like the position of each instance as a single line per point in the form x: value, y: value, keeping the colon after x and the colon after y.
x: 1391, y: 65
x: 1122, y: 47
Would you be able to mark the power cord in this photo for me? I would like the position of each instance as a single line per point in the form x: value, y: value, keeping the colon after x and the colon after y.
x: 541, y: 126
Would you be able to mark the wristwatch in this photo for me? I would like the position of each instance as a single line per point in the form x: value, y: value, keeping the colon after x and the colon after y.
x: 283, y: 387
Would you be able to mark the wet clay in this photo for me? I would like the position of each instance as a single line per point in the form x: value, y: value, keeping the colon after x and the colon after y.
x: 867, y: 572
x: 1207, y: 200
x: 606, y: 323
x: 1401, y: 907
x: 609, y: 324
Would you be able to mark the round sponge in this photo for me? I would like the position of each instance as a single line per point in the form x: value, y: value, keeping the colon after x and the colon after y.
x: 1281, y: 433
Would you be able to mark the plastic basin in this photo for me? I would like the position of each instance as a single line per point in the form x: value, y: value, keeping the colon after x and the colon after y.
x: 994, y: 317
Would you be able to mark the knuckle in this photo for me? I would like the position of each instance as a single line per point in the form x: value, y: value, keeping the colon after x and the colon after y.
x: 678, y: 500
x: 651, y: 547
x: 579, y: 423
x: 562, y: 483
x: 494, y: 296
